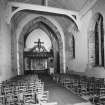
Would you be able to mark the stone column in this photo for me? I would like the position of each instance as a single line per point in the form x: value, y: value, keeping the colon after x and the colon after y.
x: 5, y: 45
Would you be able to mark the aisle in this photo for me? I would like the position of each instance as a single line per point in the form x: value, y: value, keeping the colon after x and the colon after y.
x: 58, y: 93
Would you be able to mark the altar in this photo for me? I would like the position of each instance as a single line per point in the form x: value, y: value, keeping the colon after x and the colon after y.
x: 36, y: 59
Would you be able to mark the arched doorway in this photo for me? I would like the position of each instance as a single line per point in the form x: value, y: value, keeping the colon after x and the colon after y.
x: 54, y: 35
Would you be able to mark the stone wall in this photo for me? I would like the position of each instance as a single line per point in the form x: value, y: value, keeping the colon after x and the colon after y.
x: 91, y: 48
x: 5, y: 45
x: 97, y: 71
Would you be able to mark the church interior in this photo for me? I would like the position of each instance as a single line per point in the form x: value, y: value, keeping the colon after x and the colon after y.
x: 52, y: 52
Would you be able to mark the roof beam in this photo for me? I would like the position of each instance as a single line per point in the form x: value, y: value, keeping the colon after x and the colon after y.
x: 46, y: 9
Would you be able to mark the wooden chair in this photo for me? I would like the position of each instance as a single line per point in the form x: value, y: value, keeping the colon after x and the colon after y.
x: 2, y: 99
x: 9, y: 99
x: 29, y: 98
x: 44, y: 97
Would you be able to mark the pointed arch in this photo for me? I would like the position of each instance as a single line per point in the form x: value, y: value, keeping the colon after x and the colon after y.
x: 99, y: 40
x: 29, y: 27
x: 96, y: 41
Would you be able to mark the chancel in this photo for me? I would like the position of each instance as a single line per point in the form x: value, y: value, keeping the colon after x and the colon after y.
x: 52, y: 52
x: 36, y: 59
x: 39, y: 44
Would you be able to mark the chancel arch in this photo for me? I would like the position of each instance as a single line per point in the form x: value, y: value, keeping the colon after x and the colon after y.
x: 54, y: 34
x: 70, y: 14
x: 72, y: 46
x: 96, y: 41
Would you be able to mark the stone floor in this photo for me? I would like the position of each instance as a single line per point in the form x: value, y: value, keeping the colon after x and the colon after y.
x: 59, y: 94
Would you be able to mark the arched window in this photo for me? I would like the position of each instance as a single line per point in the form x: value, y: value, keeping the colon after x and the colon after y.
x: 99, y: 41
x: 72, y: 46
x: 73, y: 42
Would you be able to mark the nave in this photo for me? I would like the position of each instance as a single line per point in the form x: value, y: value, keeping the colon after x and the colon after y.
x: 58, y: 93
x: 52, y: 36
x: 37, y: 89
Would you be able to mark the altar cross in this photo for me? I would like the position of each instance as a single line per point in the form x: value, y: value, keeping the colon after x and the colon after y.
x: 39, y: 44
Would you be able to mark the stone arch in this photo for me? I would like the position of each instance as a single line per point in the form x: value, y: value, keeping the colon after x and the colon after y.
x: 96, y: 41
x: 71, y: 15
x: 28, y: 28
x: 40, y: 25
x: 36, y: 26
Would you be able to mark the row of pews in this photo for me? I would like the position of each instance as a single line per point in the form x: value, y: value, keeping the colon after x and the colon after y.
x: 90, y: 88
x: 23, y: 90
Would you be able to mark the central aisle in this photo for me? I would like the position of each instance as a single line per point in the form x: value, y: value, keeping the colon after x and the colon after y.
x: 58, y: 93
